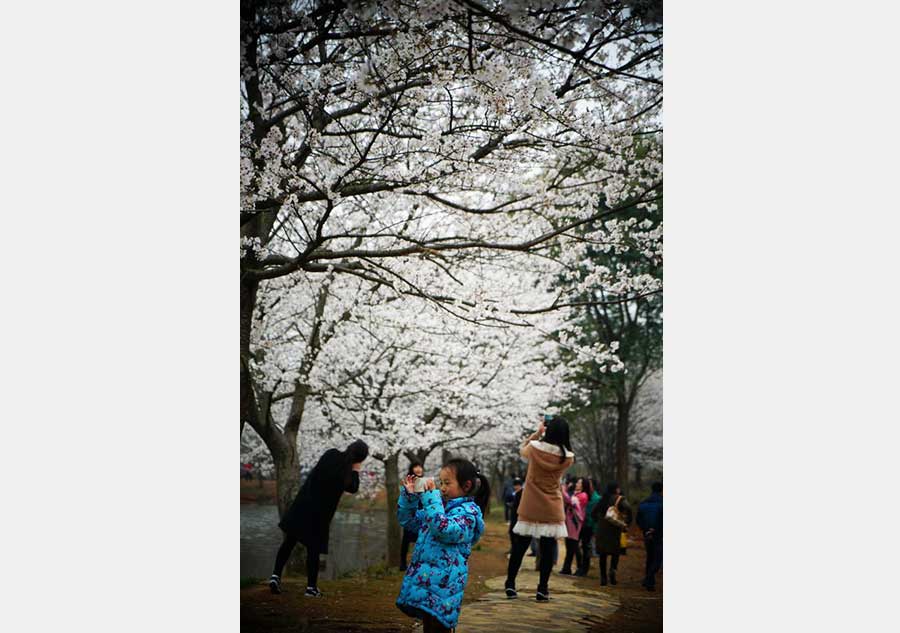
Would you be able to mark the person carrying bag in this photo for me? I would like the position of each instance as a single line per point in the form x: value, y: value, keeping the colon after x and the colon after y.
x: 612, y: 515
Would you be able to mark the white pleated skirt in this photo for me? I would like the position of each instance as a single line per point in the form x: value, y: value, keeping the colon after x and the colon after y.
x: 553, y: 530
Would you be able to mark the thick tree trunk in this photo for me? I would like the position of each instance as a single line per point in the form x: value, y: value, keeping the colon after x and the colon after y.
x: 287, y: 473
x: 622, y: 466
x: 392, y: 482
x: 248, y: 302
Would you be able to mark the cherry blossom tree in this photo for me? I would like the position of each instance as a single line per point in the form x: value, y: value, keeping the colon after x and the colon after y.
x: 408, y: 374
x: 396, y: 159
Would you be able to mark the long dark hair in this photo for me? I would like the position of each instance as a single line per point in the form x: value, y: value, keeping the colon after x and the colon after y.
x: 412, y: 465
x: 557, y: 433
x: 586, y: 486
x: 478, y: 485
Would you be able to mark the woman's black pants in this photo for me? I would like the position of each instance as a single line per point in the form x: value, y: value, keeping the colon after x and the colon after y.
x: 572, y: 551
x: 586, y: 535
x: 312, y: 560
x: 520, y: 546
x: 613, y: 564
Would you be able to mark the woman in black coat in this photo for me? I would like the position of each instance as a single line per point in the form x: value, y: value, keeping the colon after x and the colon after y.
x: 309, y: 517
x: 607, y: 534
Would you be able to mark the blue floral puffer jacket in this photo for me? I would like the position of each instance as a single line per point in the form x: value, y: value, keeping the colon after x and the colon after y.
x: 436, y: 578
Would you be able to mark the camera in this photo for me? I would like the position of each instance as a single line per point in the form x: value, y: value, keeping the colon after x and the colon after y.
x: 420, y: 484
x: 546, y: 417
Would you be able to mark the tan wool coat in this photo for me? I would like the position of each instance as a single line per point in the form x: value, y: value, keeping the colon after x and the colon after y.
x: 541, y: 509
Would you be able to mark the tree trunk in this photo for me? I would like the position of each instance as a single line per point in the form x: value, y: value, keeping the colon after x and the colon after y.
x: 248, y: 402
x: 497, y: 476
x: 392, y: 479
x: 622, y: 466
x: 287, y: 475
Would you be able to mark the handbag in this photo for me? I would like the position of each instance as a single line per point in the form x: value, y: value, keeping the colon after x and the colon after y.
x: 623, y: 540
x: 614, y: 516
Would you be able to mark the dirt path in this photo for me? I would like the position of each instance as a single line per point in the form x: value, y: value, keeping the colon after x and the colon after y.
x: 365, y: 602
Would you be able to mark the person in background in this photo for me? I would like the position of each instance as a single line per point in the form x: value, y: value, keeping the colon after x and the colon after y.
x: 416, y: 469
x: 514, y: 508
x: 587, y: 532
x: 609, y: 535
x: 650, y: 520
x: 597, y: 488
x: 508, y: 493
x: 575, y: 505
x: 309, y: 517
x: 541, y: 512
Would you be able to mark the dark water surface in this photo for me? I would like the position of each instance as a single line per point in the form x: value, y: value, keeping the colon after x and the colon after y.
x: 357, y: 540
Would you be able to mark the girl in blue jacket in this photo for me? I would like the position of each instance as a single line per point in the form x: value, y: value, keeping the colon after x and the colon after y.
x: 436, y: 578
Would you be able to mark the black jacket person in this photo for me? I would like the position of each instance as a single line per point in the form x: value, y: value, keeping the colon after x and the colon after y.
x: 308, y: 519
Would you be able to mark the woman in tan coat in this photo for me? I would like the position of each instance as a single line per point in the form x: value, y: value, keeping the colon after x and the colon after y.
x: 541, y: 514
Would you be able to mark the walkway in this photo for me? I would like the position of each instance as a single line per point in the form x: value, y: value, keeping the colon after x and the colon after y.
x: 571, y: 609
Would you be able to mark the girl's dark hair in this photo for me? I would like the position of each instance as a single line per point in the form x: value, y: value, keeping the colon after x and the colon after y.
x: 478, y: 485
x: 356, y: 452
x: 557, y: 432
x: 413, y: 464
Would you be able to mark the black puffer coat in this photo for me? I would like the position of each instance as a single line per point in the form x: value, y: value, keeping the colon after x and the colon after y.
x: 309, y: 516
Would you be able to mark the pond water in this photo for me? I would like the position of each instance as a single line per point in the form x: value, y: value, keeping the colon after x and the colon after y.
x: 356, y: 541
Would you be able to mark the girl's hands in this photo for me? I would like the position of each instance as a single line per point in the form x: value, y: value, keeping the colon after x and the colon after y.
x: 410, y: 484
x: 429, y: 483
x: 540, y: 430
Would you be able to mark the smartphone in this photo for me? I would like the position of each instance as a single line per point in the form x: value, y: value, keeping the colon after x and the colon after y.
x: 547, y: 417
x: 420, y: 484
